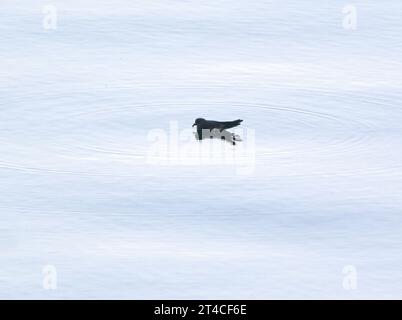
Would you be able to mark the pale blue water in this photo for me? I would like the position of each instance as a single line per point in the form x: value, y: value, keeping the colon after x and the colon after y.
x: 79, y: 190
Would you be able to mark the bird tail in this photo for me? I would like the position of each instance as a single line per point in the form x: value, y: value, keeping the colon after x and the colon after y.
x: 231, y: 124
x: 235, y: 123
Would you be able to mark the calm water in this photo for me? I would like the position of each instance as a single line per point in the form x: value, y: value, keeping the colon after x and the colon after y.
x: 314, y: 186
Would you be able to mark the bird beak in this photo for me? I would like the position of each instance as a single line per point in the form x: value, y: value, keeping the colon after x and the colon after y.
x: 194, y: 124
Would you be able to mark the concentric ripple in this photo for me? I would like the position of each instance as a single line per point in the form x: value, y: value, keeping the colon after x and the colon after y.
x: 108, y: 137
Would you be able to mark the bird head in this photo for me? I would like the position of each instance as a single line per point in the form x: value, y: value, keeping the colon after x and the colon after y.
x: 198, y: 121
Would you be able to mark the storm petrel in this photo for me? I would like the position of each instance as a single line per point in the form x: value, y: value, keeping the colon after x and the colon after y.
x: 205, y: 127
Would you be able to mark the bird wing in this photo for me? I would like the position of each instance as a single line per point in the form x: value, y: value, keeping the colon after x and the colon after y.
x: 231, y: 124
x: 221, y: 125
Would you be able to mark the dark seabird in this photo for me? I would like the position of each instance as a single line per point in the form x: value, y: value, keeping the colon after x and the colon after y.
x: 207, y: 128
